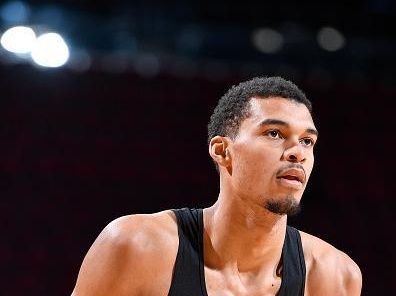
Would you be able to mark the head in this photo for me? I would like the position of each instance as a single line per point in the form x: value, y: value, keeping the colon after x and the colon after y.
x: 261, y: 136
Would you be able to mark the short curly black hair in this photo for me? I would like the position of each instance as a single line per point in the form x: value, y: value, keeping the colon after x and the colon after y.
x: 233, y: 107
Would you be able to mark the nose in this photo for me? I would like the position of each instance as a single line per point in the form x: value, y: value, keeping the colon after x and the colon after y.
x: 294, y: 153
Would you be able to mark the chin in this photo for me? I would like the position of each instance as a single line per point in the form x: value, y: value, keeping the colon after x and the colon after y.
x: 288, y: 205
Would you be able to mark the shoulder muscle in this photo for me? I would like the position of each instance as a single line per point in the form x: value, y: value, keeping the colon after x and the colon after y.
x: 121, y: 259
x: 329, y: 271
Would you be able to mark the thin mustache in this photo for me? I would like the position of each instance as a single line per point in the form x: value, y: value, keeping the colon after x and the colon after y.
x: 292, y: 166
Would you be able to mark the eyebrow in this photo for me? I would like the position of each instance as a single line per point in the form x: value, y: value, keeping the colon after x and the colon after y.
x: 271, y: 121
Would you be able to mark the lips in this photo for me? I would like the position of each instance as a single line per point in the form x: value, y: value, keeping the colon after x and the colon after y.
x: 296, y: 175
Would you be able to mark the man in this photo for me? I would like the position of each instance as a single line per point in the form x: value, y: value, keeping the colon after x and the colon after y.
x: 261, y: 138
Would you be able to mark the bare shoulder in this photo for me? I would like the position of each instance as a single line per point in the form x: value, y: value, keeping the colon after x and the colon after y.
x: 329, y: 270
x: 128, y: 254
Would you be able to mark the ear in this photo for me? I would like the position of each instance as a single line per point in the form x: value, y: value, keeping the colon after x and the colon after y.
x: 218, y: 150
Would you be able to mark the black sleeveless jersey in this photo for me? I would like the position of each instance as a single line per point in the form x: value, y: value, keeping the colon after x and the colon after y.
x: 189, y: 277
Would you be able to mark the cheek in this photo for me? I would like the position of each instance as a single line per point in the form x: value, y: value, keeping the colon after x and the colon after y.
x: 253, y: 166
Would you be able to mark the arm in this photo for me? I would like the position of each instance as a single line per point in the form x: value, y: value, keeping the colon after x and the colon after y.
x: 103, y: 269
x: 129, y: 253
x: 334, y: 274
x: 330, y: 272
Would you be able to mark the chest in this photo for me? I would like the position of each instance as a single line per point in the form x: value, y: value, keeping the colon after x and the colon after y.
x: 224, y: 284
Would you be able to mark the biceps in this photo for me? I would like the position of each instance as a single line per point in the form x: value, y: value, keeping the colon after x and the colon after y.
x: 329, y: 282
x: 104, y: 270
x: 96, y: 276
x: 353, y: 282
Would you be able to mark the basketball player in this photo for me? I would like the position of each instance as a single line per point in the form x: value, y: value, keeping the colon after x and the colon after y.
x: 261, y: 138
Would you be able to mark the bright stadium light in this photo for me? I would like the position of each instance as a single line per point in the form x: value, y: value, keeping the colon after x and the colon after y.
x: 267, y: 40
x: 50, y: 50
x: 330, y: 39
x: 14, y: 12
x: 19, y: 40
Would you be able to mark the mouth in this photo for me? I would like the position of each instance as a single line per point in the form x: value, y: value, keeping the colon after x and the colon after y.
x: 293, y: 178
x: 291, y: 182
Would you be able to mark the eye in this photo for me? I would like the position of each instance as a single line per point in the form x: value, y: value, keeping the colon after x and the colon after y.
x: 275, y: 134
x: 307, y: 142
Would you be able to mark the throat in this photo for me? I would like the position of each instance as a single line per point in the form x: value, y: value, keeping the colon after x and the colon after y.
x: 240, y: 253
x: 242, y: 242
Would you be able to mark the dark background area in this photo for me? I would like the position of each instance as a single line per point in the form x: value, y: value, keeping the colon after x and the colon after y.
x: 80, y: 148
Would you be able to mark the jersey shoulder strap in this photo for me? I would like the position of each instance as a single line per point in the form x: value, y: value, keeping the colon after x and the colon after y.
x: 293, y: 265
x: 188, y: 274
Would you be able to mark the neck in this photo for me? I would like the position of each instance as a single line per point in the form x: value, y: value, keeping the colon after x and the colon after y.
x: 244, y: 236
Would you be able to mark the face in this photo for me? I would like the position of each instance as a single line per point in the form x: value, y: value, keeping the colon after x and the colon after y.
x: 272, y: 155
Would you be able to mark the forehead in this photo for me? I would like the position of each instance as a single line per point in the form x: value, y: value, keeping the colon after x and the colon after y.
x: 294, y: 113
